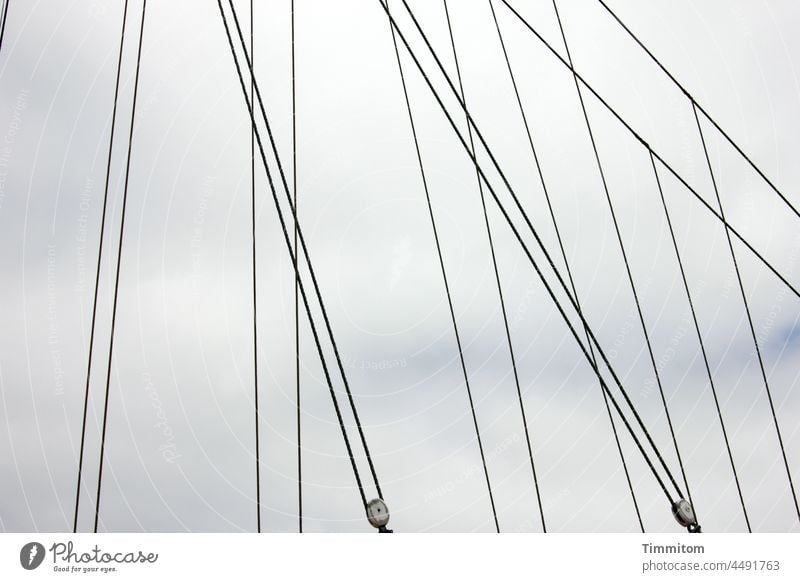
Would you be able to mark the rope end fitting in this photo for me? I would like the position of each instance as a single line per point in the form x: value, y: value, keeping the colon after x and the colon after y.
x: 683, y: 512
x: 378, y: 515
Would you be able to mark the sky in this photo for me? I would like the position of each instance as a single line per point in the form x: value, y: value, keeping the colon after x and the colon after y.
x: 180, y: 442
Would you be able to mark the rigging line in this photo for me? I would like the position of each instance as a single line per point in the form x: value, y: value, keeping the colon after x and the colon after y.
x: 307, y: 257
x: 563, y: 254
x: 533, y: 262
x: 287, y: 240
x: 627, y: 264
x: 700, y: 108
x: 444, y: 276
x: 533, y: 231
x: 119, y: 264
x: 749, y: 315
x: 296, y: 303
x: 255, y: 312
x: 3, y: 24
x: 497, y: 279
x: 99, y: 262
x: 539, y: 243
x: 700, y: 340
x: 658, y: 157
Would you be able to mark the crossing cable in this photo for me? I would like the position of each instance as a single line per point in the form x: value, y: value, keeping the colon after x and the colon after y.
x: 541, y: 246
x: 296, y: 302
x: 538, y: 239
x: 658, y: 157
x: 255, y: 312
x: 307, y: 257
x: 292, y: 256
x: 560, y: 241
x: 3, y: 24
x: 701, y: 109
x: 119, y: 264
x: 287, y: 240
x: 99, y: 262
x: 444, y: 277
x: 700, y: 340
x: 749, y: 315
x: 527, y: 252
x: 625, y: 258
x: 497, y: 278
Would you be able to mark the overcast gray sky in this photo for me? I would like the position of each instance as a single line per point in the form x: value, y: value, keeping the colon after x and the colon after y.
x: 180, y: 444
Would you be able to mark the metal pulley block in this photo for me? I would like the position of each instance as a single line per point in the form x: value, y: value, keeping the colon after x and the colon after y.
x: 378, y: 515
x: 683, y: 512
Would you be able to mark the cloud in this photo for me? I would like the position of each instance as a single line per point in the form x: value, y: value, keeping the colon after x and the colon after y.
x: 180, y: 443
